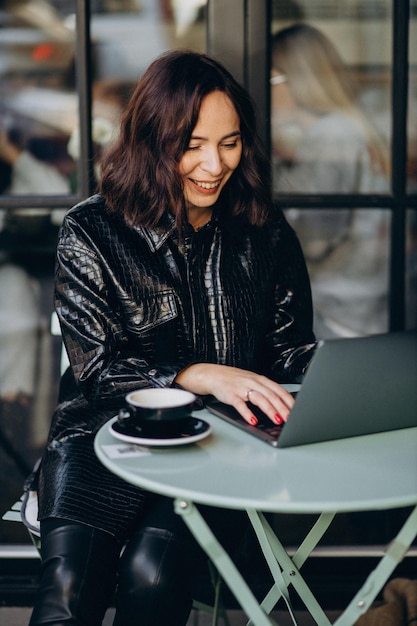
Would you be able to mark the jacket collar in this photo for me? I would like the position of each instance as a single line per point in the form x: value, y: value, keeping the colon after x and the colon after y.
x: 157, y: 236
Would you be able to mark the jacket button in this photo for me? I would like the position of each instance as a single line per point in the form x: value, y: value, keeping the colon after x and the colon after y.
x: 152, y: 373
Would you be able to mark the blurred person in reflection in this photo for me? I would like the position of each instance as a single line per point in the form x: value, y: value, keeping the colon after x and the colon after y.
x: 180, y: 272
x: 323, y: 143
x: 110, y: 97
x: 19, y: 336
x: 28, y: 174
x: 20, y: 305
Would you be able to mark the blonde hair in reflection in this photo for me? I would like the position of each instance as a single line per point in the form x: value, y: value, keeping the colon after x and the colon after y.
x: 320, y: 83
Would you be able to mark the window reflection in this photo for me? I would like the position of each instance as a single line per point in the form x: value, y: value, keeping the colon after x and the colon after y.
x: 322, y: 141
x: 127, y: 35
x: 39, y: 155
x: 330, y: 125
x: 39, y: 143
x: 38, y: 104
x: 347, y: 253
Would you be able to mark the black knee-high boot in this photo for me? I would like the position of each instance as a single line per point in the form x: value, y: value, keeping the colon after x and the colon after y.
x: 155, y: 580
x: 78, y: 576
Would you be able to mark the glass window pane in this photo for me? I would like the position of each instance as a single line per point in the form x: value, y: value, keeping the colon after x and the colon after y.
x: 347, y: 253
x: 126, y: 36
x: 330, y: 86
x: 39, y: 140
x: 38, y: 109
x: 29, y: 355
x: 330, y: 133
x: 39, y: 118
x: 38, y: 102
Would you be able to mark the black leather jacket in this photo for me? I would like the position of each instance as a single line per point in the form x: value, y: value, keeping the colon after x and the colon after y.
x: 137, y: 305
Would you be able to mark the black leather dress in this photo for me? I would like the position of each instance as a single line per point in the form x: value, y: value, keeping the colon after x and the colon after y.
x: 136, y: 306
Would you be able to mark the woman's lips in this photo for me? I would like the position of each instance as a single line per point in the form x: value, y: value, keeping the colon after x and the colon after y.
x: 206, y: 187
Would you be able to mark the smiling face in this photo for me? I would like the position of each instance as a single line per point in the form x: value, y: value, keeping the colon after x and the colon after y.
x: 212, y: 156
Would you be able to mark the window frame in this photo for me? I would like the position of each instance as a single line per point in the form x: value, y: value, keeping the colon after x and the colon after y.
x: 246, y: 51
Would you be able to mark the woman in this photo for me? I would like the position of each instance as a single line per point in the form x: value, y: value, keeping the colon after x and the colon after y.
x: 178, y: 274
x: 322, y: 140
x: 323, y: 143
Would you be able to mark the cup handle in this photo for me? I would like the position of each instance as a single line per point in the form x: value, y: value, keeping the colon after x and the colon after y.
x: 123, y: 414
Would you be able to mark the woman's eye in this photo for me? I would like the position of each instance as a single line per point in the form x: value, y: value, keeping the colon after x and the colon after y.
x: 192, y: 148
x: 230, y: 145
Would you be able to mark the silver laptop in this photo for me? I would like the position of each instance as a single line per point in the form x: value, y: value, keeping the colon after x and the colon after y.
x: 352, y: 387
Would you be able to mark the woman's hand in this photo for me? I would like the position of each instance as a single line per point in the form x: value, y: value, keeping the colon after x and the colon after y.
x: 235, y: 386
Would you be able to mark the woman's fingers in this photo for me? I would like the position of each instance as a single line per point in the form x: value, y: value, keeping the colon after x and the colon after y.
x: 275, y: 408
x: 276, y: 403
x: 239, y: 387
x: 246, y: 412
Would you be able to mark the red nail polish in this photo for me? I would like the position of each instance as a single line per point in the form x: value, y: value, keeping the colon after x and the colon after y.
x: 253, y: 420
x: 278, y: 418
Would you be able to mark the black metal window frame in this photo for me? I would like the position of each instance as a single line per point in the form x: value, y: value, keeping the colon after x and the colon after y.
x: 238, y: 34
x: 245, y: 49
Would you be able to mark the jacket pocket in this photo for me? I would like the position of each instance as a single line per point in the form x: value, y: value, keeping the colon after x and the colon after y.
x: 152, y: 311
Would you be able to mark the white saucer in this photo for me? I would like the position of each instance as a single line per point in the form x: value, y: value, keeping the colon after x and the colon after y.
x: 192, y: 430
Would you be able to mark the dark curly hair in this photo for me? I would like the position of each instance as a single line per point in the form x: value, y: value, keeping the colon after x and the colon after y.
x: 139, y: 174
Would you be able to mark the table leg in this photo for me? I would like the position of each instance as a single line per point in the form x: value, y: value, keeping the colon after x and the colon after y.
x: 223, y: 562
x: 377, y: 579
x: 285, y: 570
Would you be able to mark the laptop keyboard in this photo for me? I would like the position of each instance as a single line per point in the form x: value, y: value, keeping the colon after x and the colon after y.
x: 265, y: 429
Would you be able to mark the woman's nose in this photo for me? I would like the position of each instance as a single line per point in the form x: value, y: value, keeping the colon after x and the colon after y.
x: 212, y: 163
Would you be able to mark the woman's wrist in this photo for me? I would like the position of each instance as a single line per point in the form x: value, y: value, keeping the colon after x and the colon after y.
x: 195, y: 378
